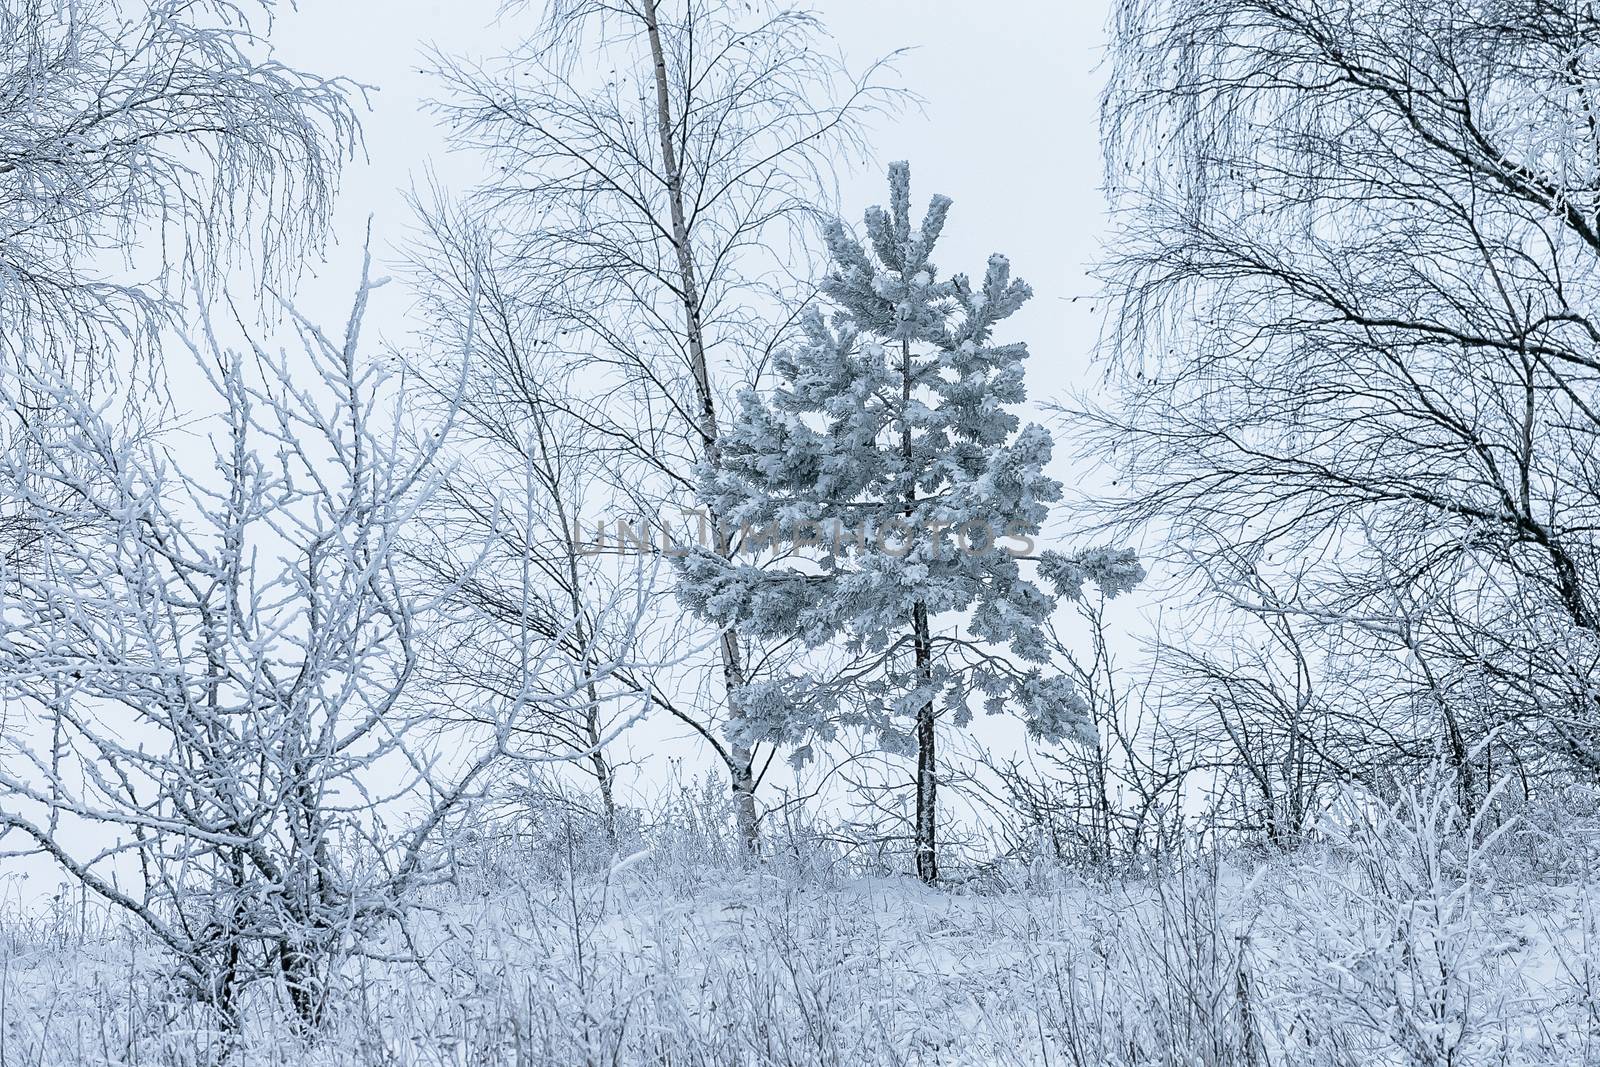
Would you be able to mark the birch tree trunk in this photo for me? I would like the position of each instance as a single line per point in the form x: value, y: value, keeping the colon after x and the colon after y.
x: 741, y: 768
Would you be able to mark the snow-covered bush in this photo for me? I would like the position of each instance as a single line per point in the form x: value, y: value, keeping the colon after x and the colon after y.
x: 210, y: 675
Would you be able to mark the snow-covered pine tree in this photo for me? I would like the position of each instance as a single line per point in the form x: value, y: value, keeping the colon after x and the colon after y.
x: 888, y: 447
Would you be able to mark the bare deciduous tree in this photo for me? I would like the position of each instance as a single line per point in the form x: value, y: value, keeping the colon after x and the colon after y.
x: 159, y: 131
x: 143, y: 145
x: 659, y: 170
x: 215, y: 675
x: 506, y: 533
x: 1355, y: 300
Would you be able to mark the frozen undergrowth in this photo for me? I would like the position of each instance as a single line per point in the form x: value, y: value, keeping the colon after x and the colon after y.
x: 1397, y: 939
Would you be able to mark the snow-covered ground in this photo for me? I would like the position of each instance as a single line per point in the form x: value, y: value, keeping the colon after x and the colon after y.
x: 1393, y: 939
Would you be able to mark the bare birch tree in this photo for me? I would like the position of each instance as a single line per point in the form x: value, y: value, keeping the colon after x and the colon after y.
x: 505, y: 534
x: 1355, y: 302
x: 162, y: 127
x: 658, y: 171
x: 143, y: 144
